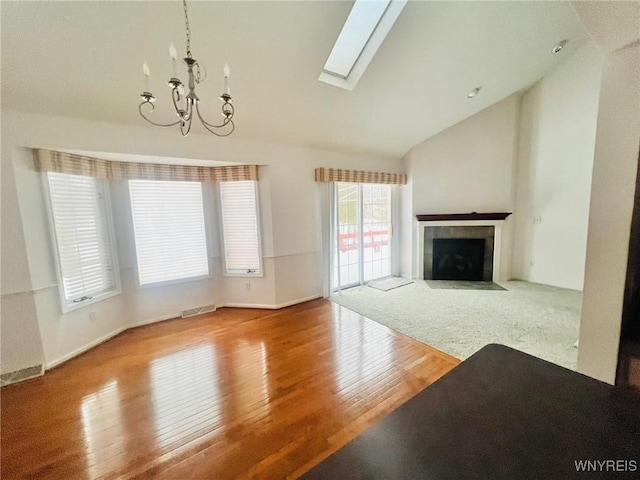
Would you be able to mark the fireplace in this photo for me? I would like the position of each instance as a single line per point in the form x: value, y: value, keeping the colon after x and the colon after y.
x: 461, y: 245
x: 458, y: 259
x: 453, y: 246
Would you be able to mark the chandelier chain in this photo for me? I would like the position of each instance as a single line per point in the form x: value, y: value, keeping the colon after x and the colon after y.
x: 187, y: 28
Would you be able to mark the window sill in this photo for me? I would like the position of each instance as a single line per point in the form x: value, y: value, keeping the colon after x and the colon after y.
x: 243, y: 274
x: 72, y: 307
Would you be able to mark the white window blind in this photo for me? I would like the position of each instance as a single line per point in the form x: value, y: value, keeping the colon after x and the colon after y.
x: 168, y: 223
x: 240, y: 227
x: 86, y: 261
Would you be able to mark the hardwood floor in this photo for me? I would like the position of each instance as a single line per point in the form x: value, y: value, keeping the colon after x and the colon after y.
x: 238, y: 393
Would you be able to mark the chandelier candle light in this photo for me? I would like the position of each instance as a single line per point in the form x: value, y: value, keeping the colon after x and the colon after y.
x: 188, y: 105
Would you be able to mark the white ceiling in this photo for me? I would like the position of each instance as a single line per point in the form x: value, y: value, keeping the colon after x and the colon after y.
x: 84, y: 59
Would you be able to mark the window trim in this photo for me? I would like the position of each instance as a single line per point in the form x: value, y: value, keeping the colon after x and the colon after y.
x: 376, y: 38
x: 236, y: 273
x: 65, y: 306
x: 175, y: 281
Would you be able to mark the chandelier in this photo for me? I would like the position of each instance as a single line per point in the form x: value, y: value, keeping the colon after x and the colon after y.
x: 187, y: 106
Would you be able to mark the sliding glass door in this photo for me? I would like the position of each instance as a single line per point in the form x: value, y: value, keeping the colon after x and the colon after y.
x: 376, y: 225
x: 362, y: 232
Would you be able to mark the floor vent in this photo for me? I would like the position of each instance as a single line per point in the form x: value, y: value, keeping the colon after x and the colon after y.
x: 192, y: 312
x: 18, y: 376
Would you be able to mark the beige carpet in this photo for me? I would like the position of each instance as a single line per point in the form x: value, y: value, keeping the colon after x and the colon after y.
x: 537, y: 319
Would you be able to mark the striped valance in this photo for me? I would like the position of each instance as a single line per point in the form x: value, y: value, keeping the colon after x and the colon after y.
x: 52, y: 161
x: 358, y: 176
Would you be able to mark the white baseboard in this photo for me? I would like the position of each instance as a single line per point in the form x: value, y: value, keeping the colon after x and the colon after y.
x: 270, y: 306
x: 300, y: 300
x: 109, y: 336
x: 104, y: 338
x: 84, y: 348
x: 154, y: 320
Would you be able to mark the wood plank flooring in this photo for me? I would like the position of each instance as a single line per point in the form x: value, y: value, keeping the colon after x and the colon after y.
x: 238, y: 393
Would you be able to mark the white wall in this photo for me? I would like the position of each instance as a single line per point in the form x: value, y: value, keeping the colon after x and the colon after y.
x: 555, y: 161
x: 34, y: 331
x: 612, y: 194
x: 21, y: 344
x: 407, y: 222
x: 466, y: 168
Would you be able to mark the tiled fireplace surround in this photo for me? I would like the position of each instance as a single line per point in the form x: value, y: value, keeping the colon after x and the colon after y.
x: 468, y: 225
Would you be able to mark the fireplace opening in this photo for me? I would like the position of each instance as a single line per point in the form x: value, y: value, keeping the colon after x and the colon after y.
x: 458, y: 259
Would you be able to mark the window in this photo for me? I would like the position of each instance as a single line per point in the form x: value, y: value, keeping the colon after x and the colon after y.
x: 240, y: 228
x: 168, y: 223
x: 83, y: 236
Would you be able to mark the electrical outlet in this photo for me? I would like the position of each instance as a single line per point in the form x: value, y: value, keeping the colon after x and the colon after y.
x: 532, y: 263
x: 247, y: 286
x: 92, y: 316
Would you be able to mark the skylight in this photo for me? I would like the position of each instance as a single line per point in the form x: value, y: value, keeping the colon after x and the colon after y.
x: 355, y: 34
x: 364, y: 31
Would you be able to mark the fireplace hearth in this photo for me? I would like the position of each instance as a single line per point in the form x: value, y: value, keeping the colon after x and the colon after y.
x: 458, y: 259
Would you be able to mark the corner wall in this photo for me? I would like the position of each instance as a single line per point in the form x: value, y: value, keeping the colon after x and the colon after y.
x: 555, y: 161
x: 612, y: 194
x: 467, y: 168
x: 21, y: 341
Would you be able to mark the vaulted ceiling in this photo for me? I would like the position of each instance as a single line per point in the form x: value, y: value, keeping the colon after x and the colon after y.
x: 83, y: 59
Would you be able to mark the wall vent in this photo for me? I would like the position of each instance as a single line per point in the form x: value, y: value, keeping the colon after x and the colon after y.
x: 192, y: 312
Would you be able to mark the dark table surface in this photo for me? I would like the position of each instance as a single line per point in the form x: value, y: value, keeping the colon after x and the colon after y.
x: 501, y: 414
